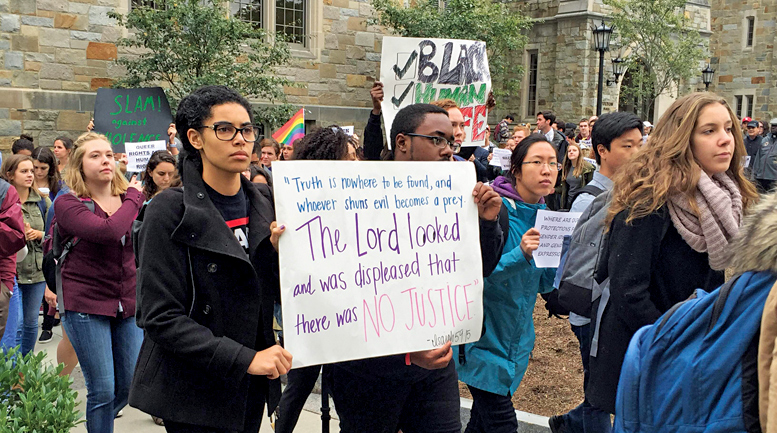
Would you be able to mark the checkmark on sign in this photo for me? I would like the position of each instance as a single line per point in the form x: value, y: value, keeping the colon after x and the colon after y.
x: 398, y: 102
x: 401, y: 72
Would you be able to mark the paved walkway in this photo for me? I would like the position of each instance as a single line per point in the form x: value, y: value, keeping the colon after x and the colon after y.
x: 135, y: 421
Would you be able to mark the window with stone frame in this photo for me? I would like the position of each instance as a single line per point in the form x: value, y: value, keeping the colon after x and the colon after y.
x: 531, y: 95
x: 750, y: 100
x: 250, y: 11
x: 153, y: 4
x: 744, y: 105
x: 739, y: 106
x: 750, y: 35
x: 290, y: 19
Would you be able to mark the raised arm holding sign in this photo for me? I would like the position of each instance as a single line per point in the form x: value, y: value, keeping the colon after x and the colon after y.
x: 418, y: 70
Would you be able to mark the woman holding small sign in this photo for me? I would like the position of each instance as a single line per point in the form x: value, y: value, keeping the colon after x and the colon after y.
x: 494, y: 365
x: 208, y: 279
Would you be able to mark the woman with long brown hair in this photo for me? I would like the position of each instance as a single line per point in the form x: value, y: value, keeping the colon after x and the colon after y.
x: 675, y: 207
x: 575, y: 174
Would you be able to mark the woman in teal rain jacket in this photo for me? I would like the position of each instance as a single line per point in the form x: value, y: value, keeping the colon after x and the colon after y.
x: 494, y: 366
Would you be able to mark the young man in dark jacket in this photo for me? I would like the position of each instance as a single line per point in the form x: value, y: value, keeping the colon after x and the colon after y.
x: 208, y: 277
x: 12, y: 240
x: 416, y: 392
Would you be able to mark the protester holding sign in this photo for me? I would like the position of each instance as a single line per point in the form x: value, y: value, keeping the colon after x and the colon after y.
x: 678, y: 200
x: 329, y: 143
x: 416, y: 392
x: 97, y: 303
x: 208, y: 280
x: 493, y: 367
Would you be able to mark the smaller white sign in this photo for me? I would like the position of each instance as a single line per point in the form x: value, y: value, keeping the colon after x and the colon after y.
x: 501, y: 158
x: 553, y: 226
x: 348, y: 129
x: 591, y: 161
x: 139, y: 153
x: 745, y: 161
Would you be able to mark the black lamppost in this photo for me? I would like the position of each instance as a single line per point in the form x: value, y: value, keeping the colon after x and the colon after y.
x: 618, y: 69
x: 601, y: 43
x: 706, y: 76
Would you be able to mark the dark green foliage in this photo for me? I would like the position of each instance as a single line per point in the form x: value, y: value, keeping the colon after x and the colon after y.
x: 185, y: 44
x: 34, y: 397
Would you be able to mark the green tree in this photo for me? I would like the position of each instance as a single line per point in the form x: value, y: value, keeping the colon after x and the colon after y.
x: 497, y: 23
x: 185, y: 44
x: 665, y: 48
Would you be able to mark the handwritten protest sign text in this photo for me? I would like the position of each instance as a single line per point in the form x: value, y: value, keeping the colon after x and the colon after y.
x: 417, y: 70
x: 378, y: 258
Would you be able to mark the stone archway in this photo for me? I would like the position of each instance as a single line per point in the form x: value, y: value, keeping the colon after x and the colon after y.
x: 632, y: 97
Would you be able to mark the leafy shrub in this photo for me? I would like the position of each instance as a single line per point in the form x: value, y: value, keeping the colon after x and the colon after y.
x: 33, y: 396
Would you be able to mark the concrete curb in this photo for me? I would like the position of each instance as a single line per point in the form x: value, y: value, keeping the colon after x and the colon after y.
x: 527, y: 422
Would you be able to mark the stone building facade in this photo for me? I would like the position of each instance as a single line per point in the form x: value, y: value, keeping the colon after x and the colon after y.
x: 561, y: 66
x: 56, y: 53
x: 743, y: 56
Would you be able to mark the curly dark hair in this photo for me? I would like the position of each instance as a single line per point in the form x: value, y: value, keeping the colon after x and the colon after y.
x: 22, y: 144
x: 329, y: 143
x: 195, y: 108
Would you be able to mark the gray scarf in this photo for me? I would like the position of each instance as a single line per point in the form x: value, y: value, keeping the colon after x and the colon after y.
x: 720, y: 205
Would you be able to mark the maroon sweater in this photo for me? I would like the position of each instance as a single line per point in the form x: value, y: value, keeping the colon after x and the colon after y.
x: 99, y: 272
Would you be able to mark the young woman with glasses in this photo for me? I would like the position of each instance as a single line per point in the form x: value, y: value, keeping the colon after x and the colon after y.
x: 496, y: 363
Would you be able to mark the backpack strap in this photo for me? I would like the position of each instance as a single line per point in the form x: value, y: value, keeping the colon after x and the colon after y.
x: 720, y: 303
x: 588, y: 189
x: 67, y: 245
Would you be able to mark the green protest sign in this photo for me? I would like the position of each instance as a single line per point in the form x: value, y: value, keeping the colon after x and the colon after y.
x: 132, y: 115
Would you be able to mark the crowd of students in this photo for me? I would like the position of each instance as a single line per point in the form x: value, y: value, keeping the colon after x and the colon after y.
x: 172, y: 313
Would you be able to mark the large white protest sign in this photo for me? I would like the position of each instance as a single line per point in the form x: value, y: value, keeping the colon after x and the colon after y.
x: 501, y: 158
x: 416, y: 70
x: 378, y: 258
x: 139, y: 153
x: 553, y: 226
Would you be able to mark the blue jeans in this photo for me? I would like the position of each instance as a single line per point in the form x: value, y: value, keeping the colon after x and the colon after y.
x: 586, y: 418
x: 107, y: 348
x: 27, y: 333
x: 14, y: 317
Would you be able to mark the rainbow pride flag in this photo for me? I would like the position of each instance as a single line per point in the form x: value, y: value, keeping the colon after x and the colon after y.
x: 292, y: 130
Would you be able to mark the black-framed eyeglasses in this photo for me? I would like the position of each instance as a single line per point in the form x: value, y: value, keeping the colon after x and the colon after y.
x: 228, y: 131
x: 438, y: 141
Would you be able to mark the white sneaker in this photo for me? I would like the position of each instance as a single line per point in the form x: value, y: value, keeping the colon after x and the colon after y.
x: 120, y: 414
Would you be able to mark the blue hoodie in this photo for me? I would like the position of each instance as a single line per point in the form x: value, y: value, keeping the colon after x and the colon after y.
x: 497, y: 362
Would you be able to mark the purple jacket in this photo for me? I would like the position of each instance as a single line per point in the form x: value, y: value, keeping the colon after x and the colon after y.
x: 98, y: 276
x: 11, y: 235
